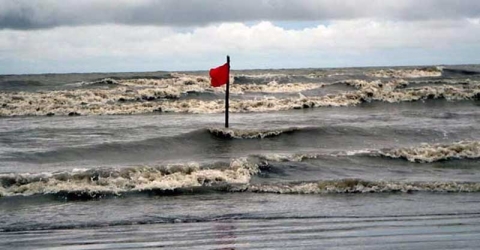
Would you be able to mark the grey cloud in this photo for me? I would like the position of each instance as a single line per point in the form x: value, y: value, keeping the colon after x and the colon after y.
x: 27, y: 14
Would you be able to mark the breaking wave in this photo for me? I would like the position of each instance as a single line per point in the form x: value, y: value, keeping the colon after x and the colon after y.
x: 104, y: 81
x: 99, y: 182
x: 360, y: 186
x: 407, y: 73
x: 164, y: 95
x: 287, y: 157
x: 236, y: 175
x: 230, y: 133
x: 427, y: 153
x: 133, y: 97
x: 107, y: 103
x: 261, y: 78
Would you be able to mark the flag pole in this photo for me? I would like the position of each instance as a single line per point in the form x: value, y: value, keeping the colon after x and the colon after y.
x: 227, y: 93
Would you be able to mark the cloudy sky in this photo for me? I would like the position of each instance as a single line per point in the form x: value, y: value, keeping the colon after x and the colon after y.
x: 57, y: 36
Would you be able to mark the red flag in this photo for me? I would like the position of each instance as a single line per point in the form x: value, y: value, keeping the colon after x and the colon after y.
x: 220, y: 75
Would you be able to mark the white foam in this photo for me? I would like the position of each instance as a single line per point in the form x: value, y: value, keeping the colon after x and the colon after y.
x: 288, y: 157
x: 436, y: 152
x: 130, y: 96
x: 249, y: 133
x: 356, y: 152
x: 361, y: 186
x: 274, y: 87
x: 407, y: 73
x: 125, y: 100
x: 424, y: 153
x: 264, y: 76
x: 117, y: 181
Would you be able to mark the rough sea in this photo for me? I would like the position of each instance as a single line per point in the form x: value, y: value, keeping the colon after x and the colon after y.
x: 346, y: 158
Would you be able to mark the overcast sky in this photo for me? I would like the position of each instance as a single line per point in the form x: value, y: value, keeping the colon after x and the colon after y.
x: 148, y: 35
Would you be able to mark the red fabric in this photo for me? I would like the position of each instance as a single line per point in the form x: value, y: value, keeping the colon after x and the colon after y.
x: 220, y: 75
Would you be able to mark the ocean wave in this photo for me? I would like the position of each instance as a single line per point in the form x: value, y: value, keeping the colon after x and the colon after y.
x: 131, y: 97
x: 407, y: 73
x: 275, y: 87
x: 231, y: 133
x: 16, y: 85
x: 86, y: 101
x: 98, y: 182
x: 377, y: 85
x: 388, y: 92
x: 123, y: 100
x: 427, y: 153
x: 261, y: 78
x: 234, y: 175
x: 359, y: 186
x: 298, y: 157
x: 104, y: 81
x: 268, y: 104
x: 202, y: 84
x: 456, y: 71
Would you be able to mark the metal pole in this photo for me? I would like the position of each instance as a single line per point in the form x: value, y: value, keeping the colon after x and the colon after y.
x: 227, y: 93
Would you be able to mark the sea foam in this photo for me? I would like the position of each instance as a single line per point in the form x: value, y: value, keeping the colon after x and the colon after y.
x: 95, y: 182
x: 436, y: 152
x: 360, y: 186
x: 164, y: 95
x: 231, y: 133
x: 424, y: 153
x: 407, y: 73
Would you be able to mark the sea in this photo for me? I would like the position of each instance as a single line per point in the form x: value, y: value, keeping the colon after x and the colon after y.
x: 342, y: 158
